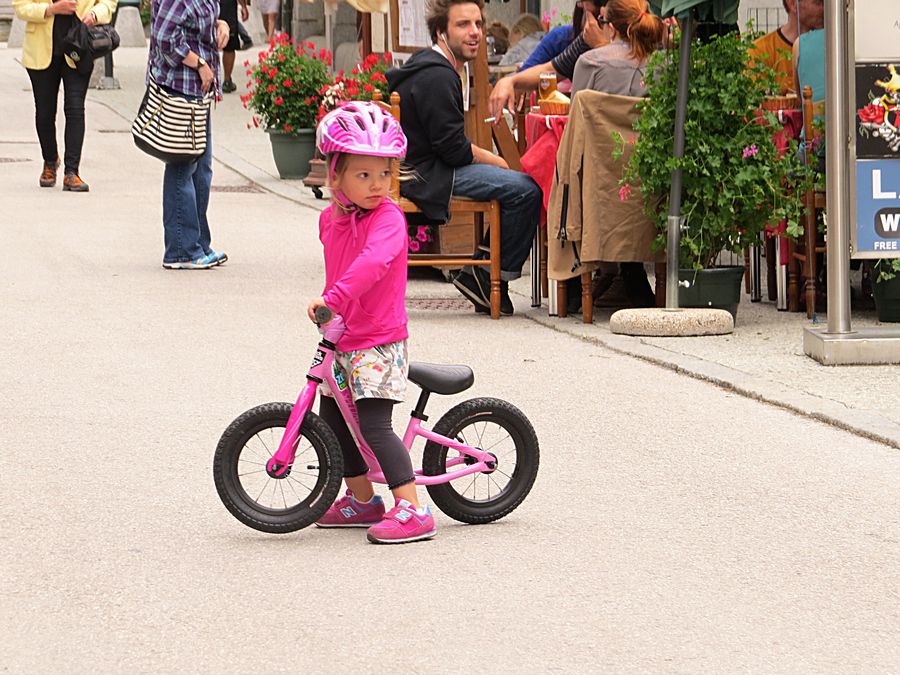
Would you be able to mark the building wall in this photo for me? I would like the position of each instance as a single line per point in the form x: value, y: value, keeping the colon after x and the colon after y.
x: 767, y: 14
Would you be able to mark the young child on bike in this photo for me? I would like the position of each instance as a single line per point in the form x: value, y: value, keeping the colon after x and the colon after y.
x: 365, y: 242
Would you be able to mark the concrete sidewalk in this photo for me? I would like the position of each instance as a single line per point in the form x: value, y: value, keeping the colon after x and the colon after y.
x: 762, y: 359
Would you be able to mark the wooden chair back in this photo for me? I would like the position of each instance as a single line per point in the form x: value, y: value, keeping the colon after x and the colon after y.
x: 802, y: 261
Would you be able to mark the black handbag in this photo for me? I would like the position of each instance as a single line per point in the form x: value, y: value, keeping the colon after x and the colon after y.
x: 83, y: 43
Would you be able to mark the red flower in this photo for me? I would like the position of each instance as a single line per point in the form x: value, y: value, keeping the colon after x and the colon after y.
x: 281, y: 57
x: 288, y: 128
x: 388, y: 57
x: 255, y: 122
x: 278, y: 100
x: 378, y: 76
x: 271, y: 88
x: 871, y: 113
x: 323, y: 53
x: 273, y: 73
x: 288, y: 83
x: 310, y: 45
x: 263, y: 68
x: 368, y: 88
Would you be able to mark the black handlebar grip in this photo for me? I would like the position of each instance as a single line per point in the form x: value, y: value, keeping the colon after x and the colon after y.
x: 323, y: 314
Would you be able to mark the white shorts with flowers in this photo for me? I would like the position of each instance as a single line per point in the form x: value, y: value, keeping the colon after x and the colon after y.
x: 377, y: 372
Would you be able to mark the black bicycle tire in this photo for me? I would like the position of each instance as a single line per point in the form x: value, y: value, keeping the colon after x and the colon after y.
x: 451, y: 502
x: 244, y: 508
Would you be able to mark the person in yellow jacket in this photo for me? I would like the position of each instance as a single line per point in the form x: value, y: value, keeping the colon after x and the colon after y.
x: 47, y: 24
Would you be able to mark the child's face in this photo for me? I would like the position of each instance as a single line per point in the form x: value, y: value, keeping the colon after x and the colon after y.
x: 365, y: 180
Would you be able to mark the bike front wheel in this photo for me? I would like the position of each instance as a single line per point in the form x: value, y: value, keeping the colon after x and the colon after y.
x: 493, y: 426
x: 269, y: 503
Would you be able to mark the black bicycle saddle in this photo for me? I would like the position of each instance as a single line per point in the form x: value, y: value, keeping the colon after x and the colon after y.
x: 441, y: 379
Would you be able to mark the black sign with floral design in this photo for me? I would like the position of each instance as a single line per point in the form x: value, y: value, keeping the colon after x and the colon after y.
x: 878, y: 110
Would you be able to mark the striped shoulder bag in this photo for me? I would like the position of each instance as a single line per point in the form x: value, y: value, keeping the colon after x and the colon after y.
x: 170, y: 127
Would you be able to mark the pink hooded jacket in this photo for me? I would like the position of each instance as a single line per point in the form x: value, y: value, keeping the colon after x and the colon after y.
x: 365, y: 273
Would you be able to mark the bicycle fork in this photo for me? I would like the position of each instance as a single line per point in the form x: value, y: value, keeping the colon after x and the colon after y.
x: 279, y: 463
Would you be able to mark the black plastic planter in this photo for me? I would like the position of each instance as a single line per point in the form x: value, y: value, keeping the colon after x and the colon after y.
x: 716, y: 288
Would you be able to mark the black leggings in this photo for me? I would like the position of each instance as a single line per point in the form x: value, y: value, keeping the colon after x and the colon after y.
x: 45, y: 86
x: 378, y: 433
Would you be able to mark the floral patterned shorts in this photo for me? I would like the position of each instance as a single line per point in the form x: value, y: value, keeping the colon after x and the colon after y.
x: 378, y: 372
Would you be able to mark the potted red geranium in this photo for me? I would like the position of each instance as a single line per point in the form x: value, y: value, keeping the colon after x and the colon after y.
x: 283, y: 92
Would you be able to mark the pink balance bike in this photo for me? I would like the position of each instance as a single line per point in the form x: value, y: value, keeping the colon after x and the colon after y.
x: 279, y: 467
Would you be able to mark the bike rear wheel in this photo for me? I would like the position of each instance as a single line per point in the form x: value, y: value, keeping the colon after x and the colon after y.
x: 494, y: 426
x: 282, y: 504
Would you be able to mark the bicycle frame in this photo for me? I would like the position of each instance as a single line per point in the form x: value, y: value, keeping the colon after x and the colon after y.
x: 322, y: 370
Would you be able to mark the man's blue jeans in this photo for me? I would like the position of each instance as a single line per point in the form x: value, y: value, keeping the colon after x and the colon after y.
x: 520, y: 208
x: 185, y: 198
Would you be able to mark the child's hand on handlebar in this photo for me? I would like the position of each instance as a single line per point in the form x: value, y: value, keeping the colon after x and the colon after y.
x: 311, y: 310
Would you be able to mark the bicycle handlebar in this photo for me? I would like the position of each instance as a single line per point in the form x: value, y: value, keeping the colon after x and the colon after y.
x: 323, y: 315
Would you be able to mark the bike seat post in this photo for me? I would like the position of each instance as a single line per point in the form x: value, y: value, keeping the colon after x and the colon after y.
x: 419, y: 410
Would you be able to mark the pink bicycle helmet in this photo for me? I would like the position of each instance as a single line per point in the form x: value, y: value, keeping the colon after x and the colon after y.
x: 361, y: 128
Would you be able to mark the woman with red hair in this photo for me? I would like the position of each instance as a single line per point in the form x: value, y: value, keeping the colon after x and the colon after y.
x: 619, y: 66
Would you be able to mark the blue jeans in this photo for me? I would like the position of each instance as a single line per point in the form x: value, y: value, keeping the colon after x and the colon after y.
x: 185, y: 198
x: 520, y: 208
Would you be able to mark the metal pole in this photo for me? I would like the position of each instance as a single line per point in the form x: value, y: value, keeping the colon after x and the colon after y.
x: 837, y: 140
x: 287, y: 17
x: 674, y: 220
x: 109, y: 81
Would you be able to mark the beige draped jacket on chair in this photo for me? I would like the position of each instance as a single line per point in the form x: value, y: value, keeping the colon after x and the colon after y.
x: 586, y: 221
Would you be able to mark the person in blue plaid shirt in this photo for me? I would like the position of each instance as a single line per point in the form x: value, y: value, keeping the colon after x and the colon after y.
x: 185, y: 38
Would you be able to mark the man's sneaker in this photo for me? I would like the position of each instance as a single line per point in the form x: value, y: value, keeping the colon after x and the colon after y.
x: 348, y: 512
x: 203, y: 263
x: 48, y: 175
x: 228, y: 86
x: 469, y: 286
x: 506, y: 306
x: 219, y: 257
x: 403, y: 524
x: 72, y: 183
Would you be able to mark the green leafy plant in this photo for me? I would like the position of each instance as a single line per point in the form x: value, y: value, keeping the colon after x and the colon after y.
x: 736, y: 179
x: 886, y: 269
x: 144, y: 10
x: 283, y: 90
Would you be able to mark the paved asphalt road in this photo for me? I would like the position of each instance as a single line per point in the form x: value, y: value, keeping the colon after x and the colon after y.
x: 673, y: 527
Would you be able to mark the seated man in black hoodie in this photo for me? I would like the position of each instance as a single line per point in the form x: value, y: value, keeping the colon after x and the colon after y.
x: 445, y: 161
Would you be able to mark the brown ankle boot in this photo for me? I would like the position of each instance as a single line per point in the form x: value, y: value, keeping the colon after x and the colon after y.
x: 72, y: 183
x: 48, y: 175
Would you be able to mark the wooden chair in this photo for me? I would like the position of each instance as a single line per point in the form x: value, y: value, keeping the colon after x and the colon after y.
x: 523, y: 107
x: 489, y: 210
x: 802, y: 256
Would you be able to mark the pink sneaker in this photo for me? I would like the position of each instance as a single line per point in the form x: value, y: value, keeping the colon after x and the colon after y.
x: 403, y: 524
x: 348, y: 512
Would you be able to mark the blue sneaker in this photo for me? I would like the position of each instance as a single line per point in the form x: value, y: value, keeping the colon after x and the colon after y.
x: 203, y: 263
x: 219, y: 257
